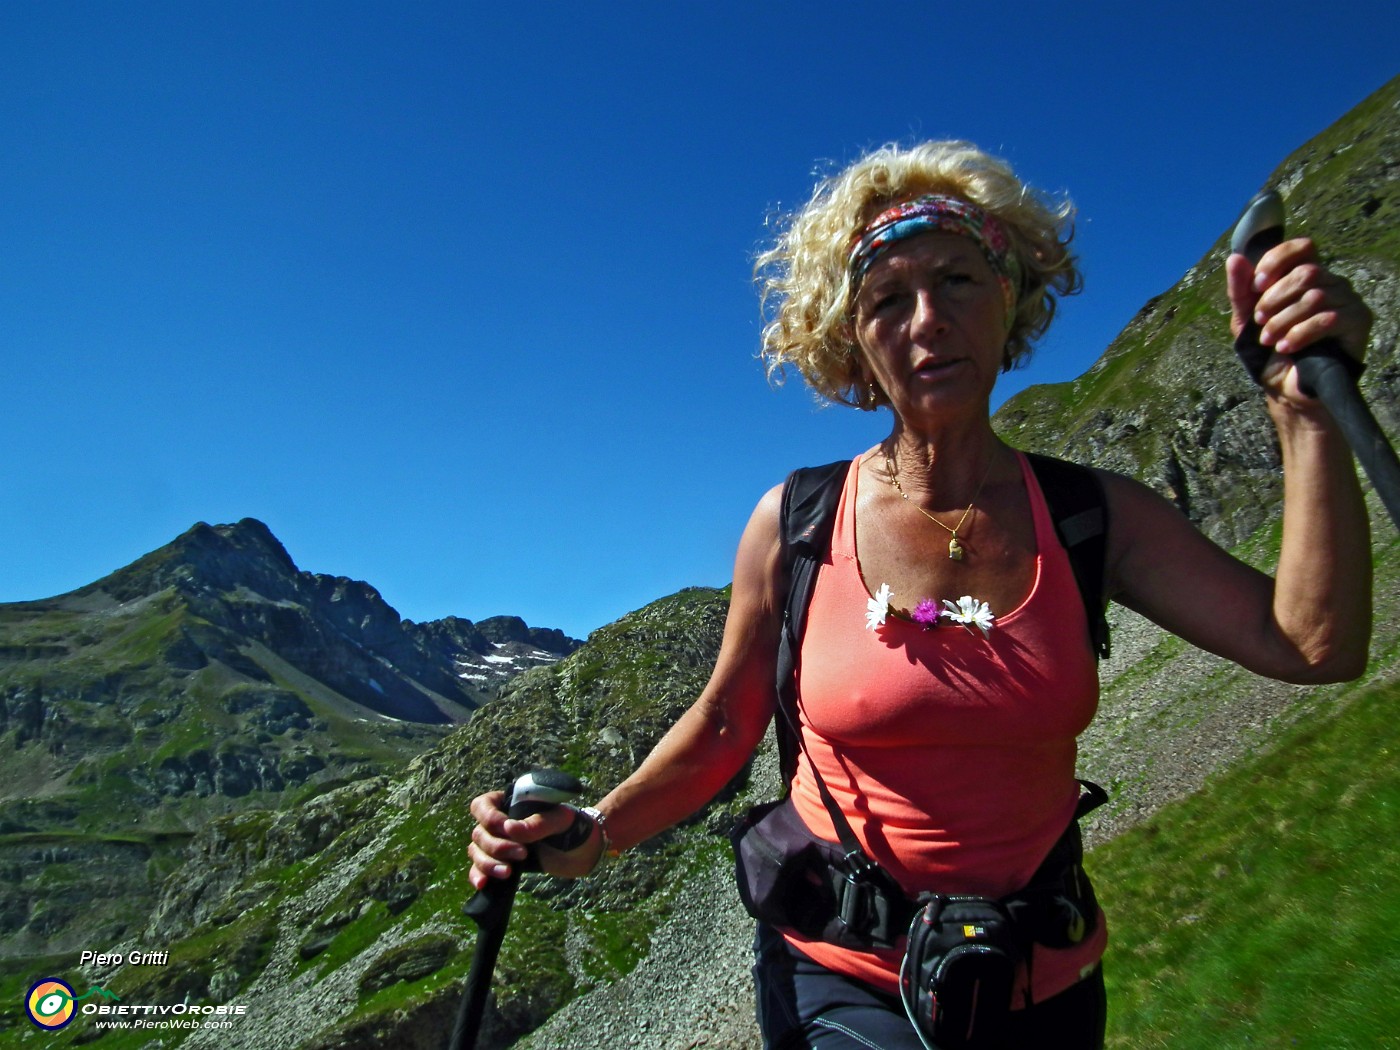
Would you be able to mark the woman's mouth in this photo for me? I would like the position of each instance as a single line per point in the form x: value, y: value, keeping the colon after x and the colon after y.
x: 935, y: 367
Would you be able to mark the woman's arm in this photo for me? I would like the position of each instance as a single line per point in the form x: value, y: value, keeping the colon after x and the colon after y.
x: 1312, y: 621
x: 701, y: 753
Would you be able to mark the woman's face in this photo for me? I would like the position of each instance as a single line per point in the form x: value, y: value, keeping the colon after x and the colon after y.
x: 930, y: 320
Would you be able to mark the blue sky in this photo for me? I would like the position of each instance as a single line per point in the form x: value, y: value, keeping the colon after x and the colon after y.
x: 458, y: 300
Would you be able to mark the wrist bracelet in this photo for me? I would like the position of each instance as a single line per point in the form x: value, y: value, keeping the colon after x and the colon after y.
x: 596, y: 815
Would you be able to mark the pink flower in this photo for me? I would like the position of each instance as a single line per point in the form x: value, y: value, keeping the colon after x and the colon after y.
x: 927, y: 613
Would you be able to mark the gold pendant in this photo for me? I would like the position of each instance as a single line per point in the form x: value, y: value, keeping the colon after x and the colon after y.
x: 955, y: 551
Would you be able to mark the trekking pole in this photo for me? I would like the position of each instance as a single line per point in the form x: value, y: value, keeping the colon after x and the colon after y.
x: 490, y: 907
x: 1325, y: 370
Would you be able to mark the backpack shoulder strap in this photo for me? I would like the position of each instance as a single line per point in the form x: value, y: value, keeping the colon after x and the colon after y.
x: 810, y: 495
x: 807, y: 518
x: 808, y: 513
x: 1079, y: 510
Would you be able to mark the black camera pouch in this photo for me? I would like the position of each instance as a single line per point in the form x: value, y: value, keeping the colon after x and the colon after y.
x: 959, y: 972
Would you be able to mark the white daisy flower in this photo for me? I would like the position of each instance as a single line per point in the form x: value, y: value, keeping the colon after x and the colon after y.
x: 970, y: 613
x: 878, y: 607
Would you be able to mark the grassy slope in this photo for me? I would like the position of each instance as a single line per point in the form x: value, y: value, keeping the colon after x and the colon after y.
x: 1265, y: 910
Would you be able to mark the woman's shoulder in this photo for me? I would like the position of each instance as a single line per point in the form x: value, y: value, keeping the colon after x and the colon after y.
x: 1127, y: 495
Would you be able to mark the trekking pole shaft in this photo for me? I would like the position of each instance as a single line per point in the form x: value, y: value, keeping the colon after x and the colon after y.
x: 1333, y: 385
x: 499, y: 897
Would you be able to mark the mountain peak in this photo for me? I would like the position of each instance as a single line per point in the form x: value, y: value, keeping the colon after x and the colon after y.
x: 217, y: 557
x: 249, y: 530
x: 247, y: 537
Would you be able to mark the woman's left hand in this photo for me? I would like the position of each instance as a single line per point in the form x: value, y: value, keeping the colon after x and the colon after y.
x: 1296, y: 302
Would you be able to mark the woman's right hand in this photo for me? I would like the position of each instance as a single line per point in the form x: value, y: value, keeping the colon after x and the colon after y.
x: 498, y: 842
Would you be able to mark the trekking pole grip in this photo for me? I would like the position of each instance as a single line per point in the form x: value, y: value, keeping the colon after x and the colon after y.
x: 1325, y: 370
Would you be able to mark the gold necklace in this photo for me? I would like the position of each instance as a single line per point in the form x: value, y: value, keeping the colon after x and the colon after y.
x: 955, y: 549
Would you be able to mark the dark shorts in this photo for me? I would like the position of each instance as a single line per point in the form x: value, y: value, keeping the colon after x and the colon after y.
x: 803, y: 1004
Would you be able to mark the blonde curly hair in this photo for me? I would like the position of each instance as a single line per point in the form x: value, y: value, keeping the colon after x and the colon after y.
x: 804, y: 278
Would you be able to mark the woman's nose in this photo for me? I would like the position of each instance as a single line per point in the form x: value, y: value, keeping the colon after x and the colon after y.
x: 928, y: 316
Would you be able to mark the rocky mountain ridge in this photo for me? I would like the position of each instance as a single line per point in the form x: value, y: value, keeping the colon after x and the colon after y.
x: 208, y: 677
x: 353, y: 898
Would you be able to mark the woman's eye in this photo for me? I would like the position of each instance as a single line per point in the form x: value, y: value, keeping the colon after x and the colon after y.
x: 878, y: 302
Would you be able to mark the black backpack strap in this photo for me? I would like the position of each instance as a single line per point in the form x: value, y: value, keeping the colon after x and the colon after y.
x: 869, y: 902
x: 808, y: 514
x: 1079, y: 510
x: 1091, y: 797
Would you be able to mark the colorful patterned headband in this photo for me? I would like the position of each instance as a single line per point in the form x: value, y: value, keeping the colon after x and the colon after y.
x: 939, y: 214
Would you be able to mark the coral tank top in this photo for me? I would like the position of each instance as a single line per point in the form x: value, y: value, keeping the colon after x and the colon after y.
x: 951, y: 754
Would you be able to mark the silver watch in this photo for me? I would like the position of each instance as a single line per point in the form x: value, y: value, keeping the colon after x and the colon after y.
x: 596, y: 815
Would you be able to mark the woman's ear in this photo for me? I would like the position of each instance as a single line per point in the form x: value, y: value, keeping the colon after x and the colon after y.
x: 870, y: 393
x: 867, y: 394
x: 864, y: 376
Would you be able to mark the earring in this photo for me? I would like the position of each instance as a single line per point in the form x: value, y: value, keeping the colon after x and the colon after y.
x: 871, y: 398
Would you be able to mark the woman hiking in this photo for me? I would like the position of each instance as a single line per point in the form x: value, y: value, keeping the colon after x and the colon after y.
x: 944, y: 674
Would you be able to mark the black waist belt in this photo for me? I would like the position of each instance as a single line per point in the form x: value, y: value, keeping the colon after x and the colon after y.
x: 793, y: 880
x: 1056, y: 908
